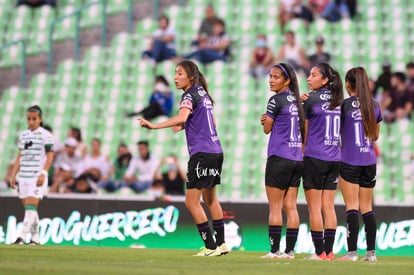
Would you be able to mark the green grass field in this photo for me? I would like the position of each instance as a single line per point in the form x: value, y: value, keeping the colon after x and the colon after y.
x: 98, y: 260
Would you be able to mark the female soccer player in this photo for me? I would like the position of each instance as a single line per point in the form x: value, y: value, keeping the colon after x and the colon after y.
x: 206, y: 154
x: 33, y: 161
x: 361, y: 117
x: 322, y: 155
x: 284, y: 118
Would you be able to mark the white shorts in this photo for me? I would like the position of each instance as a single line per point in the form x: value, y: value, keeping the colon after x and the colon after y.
x: 28, y: 188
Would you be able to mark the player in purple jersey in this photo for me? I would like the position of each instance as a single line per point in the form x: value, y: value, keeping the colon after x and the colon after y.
x: 361, y: 117
x: 322, y: 155
x: 206, y: 154
x: 284, y: 120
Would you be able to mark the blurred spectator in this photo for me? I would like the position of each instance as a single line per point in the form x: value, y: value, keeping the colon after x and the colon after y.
x: 206, y: 26
x: 289, y: 9
x: 96, y: 160
x: 293, y: 54
x: 352, y: 7
x: 63, y: 182
x: 262, y: 58
x: 81, y: 147
x: 68, y: 157
x: 384, y: 79
x: 336, y: 10
x: 162, y: 44
x: 36, y: 3
x: 173, y: 179
x: 320, y: 56
x: 410, y: 78
x: 141, y: 170
x: 215, y: 48
x: 118, y: 169
x: 397, y: 103
x: 86, y: 183
x: 317, y: 6
x: 161, y: 101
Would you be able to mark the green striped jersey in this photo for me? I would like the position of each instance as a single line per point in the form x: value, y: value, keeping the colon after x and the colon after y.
x: 32, y: 145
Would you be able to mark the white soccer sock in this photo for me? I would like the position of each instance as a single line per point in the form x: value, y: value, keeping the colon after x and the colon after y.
x: 35, y: 228
x: 30, y: 214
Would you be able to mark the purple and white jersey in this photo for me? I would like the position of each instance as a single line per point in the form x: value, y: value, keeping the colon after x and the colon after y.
x: 200, y: 130
x: 324, y: 125
x: 285, y: 139
x: 357, y: 150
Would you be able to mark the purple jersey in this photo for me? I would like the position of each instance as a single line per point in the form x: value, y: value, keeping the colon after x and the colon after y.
x: 324, y: 125
x: 356, y: 149
x: 285, y: 140
x: 200, y: 130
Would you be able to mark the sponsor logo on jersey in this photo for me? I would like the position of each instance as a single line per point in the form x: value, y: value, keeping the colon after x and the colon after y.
x: 325, y: 97
x: 291, y: 98
x: 355, y: 104
x: 201, y: 92
x: 356, y: 115
x: 293, y: 109
x: 325, y: 106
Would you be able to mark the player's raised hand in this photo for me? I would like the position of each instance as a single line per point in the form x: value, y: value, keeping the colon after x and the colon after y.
x: 145, y: 123
x: 304, y: 97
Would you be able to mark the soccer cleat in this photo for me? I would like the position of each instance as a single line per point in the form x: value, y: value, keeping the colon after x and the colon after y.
x: 269, y: 255
x: 205, y: 252
x: 330, y: 256
x: 289, y: 255
x: 276, y: 255
x: 223, y: 249
x: 371, y: 258
x: 33, y: 243
x: 349, y: 257
x: 317, y: 257
x: 19, y: 241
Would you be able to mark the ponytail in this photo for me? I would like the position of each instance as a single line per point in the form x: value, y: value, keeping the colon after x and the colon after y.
x: 358, y: 80
x: 202, y: 81
x: 196, y: 77
x: 289, y: 73
x: 334, y: 84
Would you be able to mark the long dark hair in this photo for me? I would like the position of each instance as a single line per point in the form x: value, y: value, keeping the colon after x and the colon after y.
x: 38, y: 110
x: 195, y: 76
x: 334, y: 84
x: 289, y: 73
x: 358, y: 80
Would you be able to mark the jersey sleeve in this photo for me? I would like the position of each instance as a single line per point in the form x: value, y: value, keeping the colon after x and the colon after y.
x: 273, y: 107
x: 48, y: 142
x: 20, y: 143
x: 187, y: 101
x: 307, y: 108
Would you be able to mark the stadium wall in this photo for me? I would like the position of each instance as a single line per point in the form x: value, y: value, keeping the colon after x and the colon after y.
x: 142, y: 223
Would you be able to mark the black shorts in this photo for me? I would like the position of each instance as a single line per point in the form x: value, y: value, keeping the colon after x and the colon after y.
x: 204, y: 170
x: 364, y: 176
x: 320, y: 174
x: 283, y: 173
